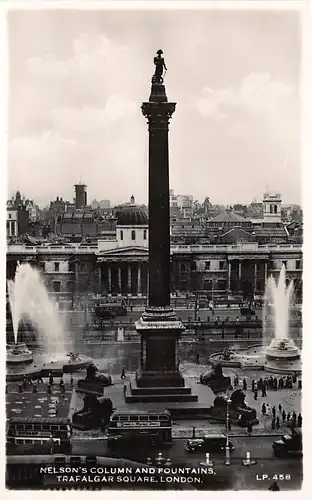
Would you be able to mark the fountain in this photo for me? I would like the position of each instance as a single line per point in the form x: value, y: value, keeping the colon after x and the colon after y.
x: 278, y: 352
x: 29, y: 299
x: 278, y: 297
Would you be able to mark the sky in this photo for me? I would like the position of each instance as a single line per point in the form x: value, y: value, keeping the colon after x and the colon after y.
x: 77, y: 80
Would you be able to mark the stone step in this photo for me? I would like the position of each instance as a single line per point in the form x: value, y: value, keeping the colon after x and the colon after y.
x: 159, y: 390
x: 160, y: 398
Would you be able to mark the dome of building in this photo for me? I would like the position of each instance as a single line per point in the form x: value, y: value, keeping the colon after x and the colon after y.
x: 132, y: 215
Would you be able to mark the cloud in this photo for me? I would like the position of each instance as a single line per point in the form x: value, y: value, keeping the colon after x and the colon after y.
x: 259, y: 104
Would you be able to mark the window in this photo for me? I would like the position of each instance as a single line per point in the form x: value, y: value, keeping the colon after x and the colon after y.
x: 13, y: 228
x: 271, y: 209
x: 298, y: 264
x: 56, y: 286
x: 121, y: 234
x: 221, y: 265
x: 193, y: 266
x: 71, y: 267
x: 42, y: 266
x: 56, y: 267
x: 183, y: 267
x: 144, y: 234
x: 10, y: 216
x: 133, y: 235
x: 207, y: 265
x: 284, y: 262
x: 275, y: 209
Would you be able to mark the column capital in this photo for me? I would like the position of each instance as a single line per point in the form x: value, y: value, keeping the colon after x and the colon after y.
x: 158, y: 114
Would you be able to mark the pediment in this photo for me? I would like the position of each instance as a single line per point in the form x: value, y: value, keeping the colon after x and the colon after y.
x: 124, y: 252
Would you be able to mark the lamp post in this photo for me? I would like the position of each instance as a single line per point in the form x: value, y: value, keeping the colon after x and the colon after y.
x: 227, y: 447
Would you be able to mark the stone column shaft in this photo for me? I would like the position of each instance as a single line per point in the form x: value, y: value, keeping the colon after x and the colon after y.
x: 109, y: 271
x: 255, y: 277
x: 229, y: 276
x: 158, y: 113
x: 129, y: 278
x: 239, y: 271
x: 139, y: 279
x: 119, y: 279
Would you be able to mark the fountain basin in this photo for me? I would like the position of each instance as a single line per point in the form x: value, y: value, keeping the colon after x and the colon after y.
x: 255, y: 358
x: 57, y: 367
x: 18, y: 354
x: 282, y: 349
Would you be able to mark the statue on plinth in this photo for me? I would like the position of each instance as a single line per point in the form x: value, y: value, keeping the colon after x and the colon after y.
x: 215, y: 379
x: 160, y: 66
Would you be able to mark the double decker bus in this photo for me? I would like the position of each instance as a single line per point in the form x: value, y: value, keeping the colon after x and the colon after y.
x: 38, y: 434
x: 149, y: 427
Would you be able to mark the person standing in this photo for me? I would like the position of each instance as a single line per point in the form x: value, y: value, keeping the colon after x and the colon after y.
x: 283, y: 416
x: 252, y: 385
x: 273, y: 424
x: 280, y: 408
x: 299, y: 420
x: 123, y: 374
x: 274, y: 486
x: 255, y: 395
x: 277, y: 423
x: 288, y: 417
x: 244, y: 384
x: 294, y: 419
x: 273, y: 412
x: 263, y: 409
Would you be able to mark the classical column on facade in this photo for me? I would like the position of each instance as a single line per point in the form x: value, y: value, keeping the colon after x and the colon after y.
x: 265, y: 271
x: 255, y: 277
x: 76, y: 276
x: 129, y: 278
x: 239, y: 274
x: 119, y: 279
x: 139, y: 291
x: 99, y: 275
x: 229, y: 276
x: 109, y: 273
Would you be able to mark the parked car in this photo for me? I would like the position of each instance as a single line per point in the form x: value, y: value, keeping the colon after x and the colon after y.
x: 289, y: 444
x: 211, y: 443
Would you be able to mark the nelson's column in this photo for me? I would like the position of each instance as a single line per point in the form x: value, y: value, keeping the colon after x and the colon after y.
x: 159, y: 378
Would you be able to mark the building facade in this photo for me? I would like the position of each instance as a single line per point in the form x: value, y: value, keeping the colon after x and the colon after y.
x: 116, y: 268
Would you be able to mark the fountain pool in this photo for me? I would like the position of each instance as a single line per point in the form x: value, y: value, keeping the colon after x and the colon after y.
x: 29, y: 298
x: 278, y: 352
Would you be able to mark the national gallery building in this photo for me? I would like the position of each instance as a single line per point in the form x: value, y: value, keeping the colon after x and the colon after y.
x: 119, y: 266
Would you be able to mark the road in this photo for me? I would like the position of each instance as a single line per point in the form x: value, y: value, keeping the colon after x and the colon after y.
x: 287, y: 472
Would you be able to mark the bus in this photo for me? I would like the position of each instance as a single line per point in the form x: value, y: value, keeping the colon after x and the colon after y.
x: 37, y: 433
x: 139, y: 426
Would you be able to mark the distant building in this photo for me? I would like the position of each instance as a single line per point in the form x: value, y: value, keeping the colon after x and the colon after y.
x: 80, y: 196
x: 17, y: 220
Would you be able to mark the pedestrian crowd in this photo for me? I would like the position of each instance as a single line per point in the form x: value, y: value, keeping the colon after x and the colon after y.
x: 274, y: 383
x: 33, y: 383
x: 279, y: 416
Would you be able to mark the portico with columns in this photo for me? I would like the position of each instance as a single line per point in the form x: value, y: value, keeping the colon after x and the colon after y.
x: 123, y: 271
x: 247, y: 273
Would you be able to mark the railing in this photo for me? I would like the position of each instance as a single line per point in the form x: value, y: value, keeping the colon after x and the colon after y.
x: 93, y: 249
